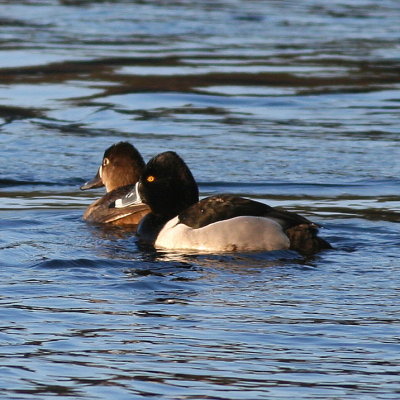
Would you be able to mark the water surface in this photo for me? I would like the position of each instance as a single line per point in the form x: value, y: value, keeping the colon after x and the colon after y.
x: 294, y: 104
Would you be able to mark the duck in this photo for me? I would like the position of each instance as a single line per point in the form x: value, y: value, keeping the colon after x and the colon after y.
x: 178, y: 220
x: 120, y: 169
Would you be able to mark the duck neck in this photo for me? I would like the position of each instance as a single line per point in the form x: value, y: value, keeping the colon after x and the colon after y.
x: 149, y: 227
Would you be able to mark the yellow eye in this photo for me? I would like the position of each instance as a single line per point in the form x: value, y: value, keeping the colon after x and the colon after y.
x: 150, y: 178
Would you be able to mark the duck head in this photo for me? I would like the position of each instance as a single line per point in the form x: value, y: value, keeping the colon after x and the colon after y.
x: 166, y: 185
x: 122, y: 165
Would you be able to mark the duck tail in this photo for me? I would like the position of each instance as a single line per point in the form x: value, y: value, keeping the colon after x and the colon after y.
x: 303, y: 238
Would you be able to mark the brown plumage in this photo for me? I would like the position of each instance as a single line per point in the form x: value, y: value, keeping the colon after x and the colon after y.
x: 120, y: 169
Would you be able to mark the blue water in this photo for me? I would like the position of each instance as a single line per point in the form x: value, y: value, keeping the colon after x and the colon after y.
x: 294, y: 104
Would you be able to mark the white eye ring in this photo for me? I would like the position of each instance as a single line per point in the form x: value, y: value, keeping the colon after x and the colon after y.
x: 106, y: 161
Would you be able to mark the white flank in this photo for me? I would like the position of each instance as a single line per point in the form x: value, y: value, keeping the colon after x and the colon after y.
x: 235, y: 234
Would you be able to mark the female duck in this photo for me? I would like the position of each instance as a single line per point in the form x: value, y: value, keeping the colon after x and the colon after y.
x: 120, y: 169
x: 178, y: 220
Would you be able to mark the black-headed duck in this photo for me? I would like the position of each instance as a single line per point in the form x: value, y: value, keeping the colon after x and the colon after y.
x: 221, y: 223
x: 120, y: 169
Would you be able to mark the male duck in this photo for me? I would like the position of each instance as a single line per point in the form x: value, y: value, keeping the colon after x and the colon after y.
x: 120, y: 169
x: 221, y: 223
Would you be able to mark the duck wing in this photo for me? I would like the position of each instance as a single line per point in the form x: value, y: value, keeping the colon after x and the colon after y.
x: 301, y: 232
x: 225, y: 206
x: 103, y: 210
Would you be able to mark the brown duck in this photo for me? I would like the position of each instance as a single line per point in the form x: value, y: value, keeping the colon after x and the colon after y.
x: 119, y: 171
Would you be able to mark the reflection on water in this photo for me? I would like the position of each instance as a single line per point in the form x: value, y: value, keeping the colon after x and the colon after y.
x: 293, y: 103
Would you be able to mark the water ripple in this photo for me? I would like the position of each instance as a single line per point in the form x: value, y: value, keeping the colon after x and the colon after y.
x: 292, y: 103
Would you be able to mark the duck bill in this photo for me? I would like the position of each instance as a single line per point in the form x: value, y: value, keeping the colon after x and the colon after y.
x: 96, y: 182
x: 132, y: 198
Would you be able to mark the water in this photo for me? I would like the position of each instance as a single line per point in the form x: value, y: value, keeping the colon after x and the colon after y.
x: 292, y: 103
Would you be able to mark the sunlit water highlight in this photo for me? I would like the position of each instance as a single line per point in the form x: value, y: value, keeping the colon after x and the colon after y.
x: 295, y: 104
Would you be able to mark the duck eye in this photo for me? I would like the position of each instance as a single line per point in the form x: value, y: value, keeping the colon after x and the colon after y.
x: 106, y: 161
x: 150, y: 178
